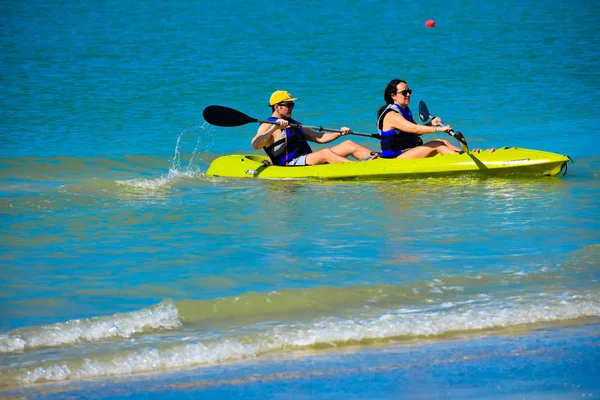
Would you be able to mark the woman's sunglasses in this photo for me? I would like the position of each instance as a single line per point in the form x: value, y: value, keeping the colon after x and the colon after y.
x: 405, y: 92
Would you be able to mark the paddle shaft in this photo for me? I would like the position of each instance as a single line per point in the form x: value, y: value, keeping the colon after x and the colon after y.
x: 321, y: 129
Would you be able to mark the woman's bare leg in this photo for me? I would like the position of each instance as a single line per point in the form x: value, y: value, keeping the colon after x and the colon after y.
x: 447, y: 144
x: 429, y: 149
x: 419, y: 152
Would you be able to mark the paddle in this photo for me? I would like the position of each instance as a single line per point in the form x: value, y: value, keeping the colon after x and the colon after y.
x: 228, y: 117
x: 426, y: 117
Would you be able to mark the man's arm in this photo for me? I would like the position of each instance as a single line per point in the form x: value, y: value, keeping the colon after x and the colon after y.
x: 264, y: 136
x: 320, y: 137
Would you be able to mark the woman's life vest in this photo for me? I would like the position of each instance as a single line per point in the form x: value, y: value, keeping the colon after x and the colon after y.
x: 395, y: 141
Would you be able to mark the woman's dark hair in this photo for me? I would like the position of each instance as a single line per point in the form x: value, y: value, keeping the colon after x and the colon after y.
x: 390, y: 89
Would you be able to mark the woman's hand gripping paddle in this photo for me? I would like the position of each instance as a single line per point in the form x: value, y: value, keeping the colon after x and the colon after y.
x: 426, y: 117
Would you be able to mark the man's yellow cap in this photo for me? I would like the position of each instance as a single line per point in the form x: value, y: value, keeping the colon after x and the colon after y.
x: 279, y: 96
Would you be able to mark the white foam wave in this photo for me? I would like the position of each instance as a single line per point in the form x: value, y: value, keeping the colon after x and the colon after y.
x: 332, y: 330
x: 161, y: 316
x: 437, y: 323
x: 146, y: 360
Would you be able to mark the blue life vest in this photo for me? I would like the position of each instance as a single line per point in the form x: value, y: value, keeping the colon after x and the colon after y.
x: 395, y: 141
x: 289, y: 147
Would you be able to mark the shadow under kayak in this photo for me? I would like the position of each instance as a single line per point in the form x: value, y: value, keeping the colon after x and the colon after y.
x: 505, y: 161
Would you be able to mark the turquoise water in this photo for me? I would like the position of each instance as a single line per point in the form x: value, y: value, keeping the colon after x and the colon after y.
x: 127, y: 273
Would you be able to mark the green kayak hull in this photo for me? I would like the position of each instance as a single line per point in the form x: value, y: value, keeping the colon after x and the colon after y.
x: 505, y: 161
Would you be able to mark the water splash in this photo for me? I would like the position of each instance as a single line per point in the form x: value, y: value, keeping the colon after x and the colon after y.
x: 178, y: 169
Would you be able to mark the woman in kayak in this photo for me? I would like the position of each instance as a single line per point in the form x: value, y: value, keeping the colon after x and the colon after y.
x: 400, y: 134
x: 288, y: 145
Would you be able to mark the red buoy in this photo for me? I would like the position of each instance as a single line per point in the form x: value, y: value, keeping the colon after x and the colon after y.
x: 430, y: 23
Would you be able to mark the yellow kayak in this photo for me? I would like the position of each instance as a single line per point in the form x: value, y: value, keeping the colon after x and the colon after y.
x: 505, y: 161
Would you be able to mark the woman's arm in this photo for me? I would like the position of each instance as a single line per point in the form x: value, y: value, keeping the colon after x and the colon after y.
x: 397, y: 121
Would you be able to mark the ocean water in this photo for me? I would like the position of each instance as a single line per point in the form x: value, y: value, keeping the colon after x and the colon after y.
x: 125, y: 272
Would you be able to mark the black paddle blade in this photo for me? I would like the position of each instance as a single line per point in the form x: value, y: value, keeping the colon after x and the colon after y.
x: 459, y: 136
x: 424, y: 114
x: 225, y: 116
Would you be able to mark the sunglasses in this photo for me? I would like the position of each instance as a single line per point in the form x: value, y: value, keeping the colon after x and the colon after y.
x: 289, y: 104
x: 405, y: 92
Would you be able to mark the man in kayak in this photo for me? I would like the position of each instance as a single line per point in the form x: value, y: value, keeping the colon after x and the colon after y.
x: 400, y: 134
x: 288, y: 145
